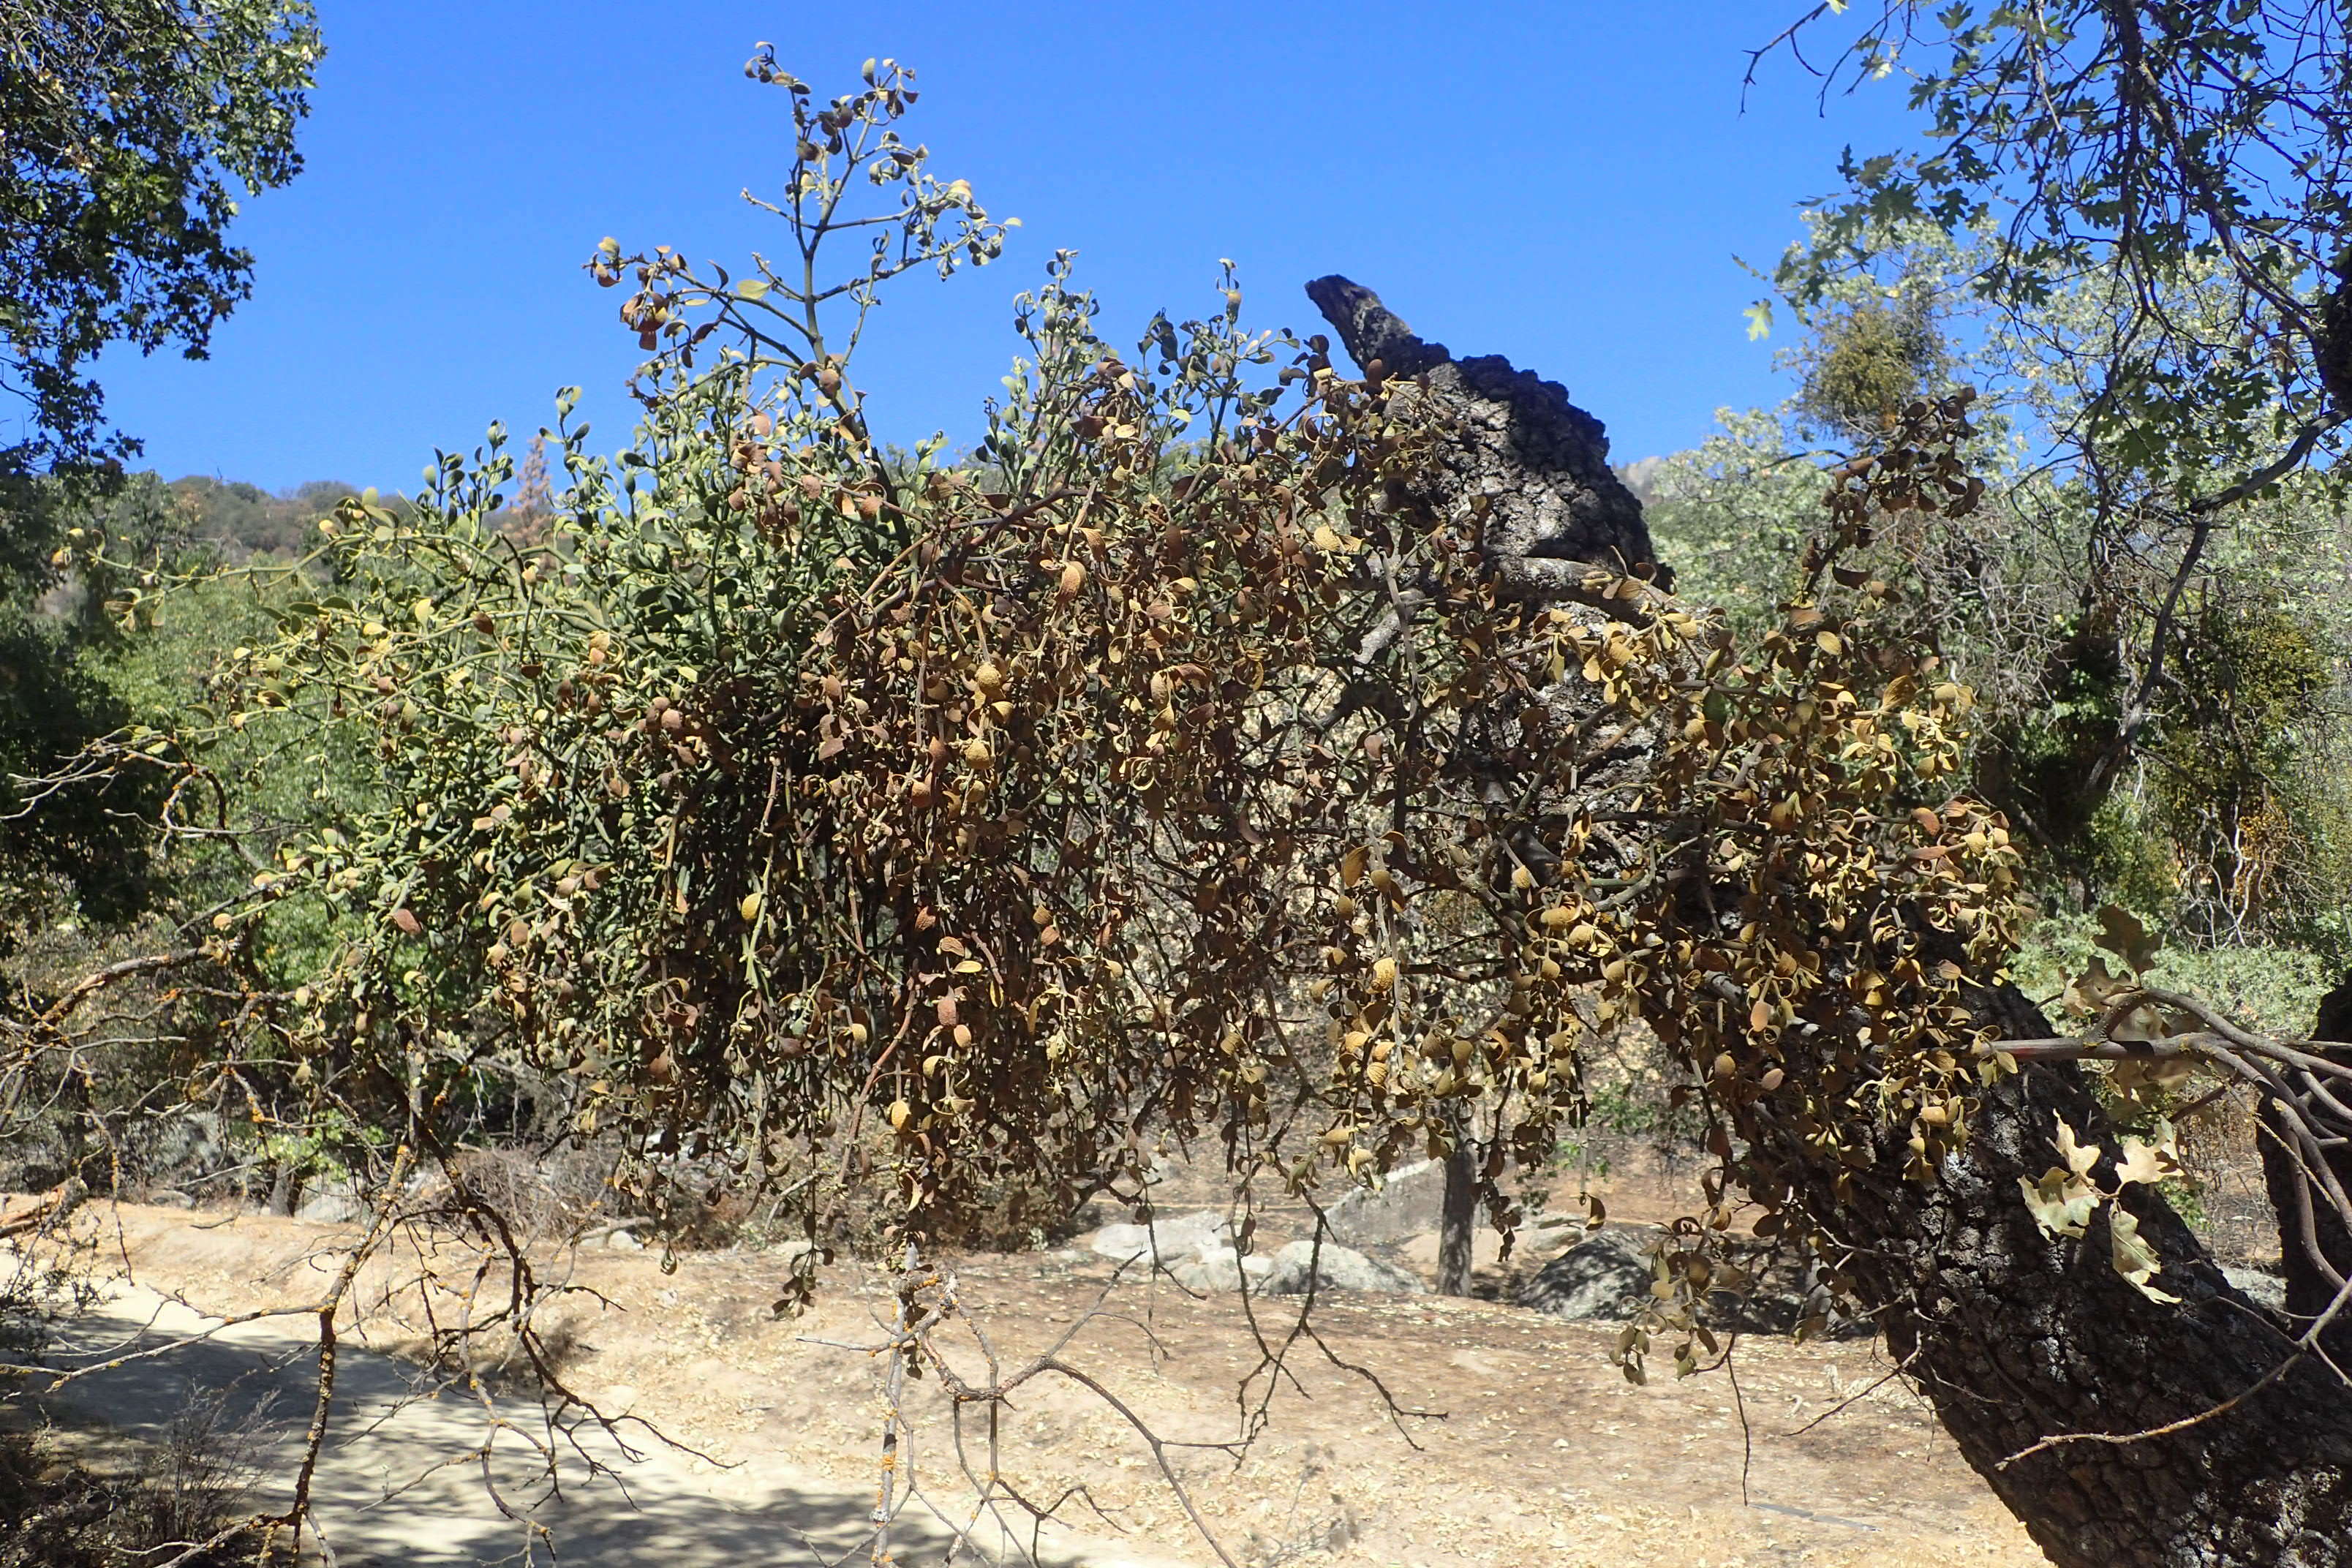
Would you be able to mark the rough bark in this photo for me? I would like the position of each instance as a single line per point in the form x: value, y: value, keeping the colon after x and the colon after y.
x: 1517, y: 446
x: 2016, y: 1337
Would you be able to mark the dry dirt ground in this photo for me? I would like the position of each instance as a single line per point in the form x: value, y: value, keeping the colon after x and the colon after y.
x: 1526, y: 1446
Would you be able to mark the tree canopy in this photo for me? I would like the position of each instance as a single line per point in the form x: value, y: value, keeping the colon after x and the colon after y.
x: 1318, y: 765
x: 132, y: 127
x: 129, y: 129
x: 2146, y: 141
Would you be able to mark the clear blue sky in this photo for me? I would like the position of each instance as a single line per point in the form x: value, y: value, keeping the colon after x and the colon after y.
x: 1566, y: 183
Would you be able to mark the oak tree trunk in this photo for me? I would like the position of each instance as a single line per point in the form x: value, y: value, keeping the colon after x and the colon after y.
x: 2018, y: 1339
x: 1457, y: 1221
x: 2039, y: 1358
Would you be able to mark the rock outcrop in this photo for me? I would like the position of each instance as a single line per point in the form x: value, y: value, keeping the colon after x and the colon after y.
x: 1164, y: 1241
x: 1333, y: 1267
x: 1410, y: 1202
x: 1605, y: 1278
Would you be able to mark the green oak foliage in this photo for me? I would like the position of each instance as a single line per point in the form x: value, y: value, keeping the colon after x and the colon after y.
x: 51, y: 705
x: 130, y: 127
x: 2164, y: 686
x: 2135, y: 215
x: 2145, y: 146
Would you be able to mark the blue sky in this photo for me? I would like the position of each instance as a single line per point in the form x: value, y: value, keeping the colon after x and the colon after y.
x: 1565, y: 183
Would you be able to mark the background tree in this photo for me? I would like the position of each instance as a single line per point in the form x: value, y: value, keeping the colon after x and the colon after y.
x: 2045, y: 602
x: 130, y: 128
x: 2149, y: 155
x: 129, y: 131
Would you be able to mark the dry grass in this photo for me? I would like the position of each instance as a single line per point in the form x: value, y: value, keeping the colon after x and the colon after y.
x: 80, y: 1500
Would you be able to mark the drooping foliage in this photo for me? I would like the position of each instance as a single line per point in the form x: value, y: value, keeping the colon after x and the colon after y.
x: 1170, y: 765
x: 812, y: 820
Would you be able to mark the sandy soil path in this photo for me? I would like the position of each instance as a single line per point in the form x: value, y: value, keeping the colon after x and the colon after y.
x: 1540, y: 1453
x: 394, y: 1486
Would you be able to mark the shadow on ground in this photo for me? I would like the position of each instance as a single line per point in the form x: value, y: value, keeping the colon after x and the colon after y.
x: 410, y: 1475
